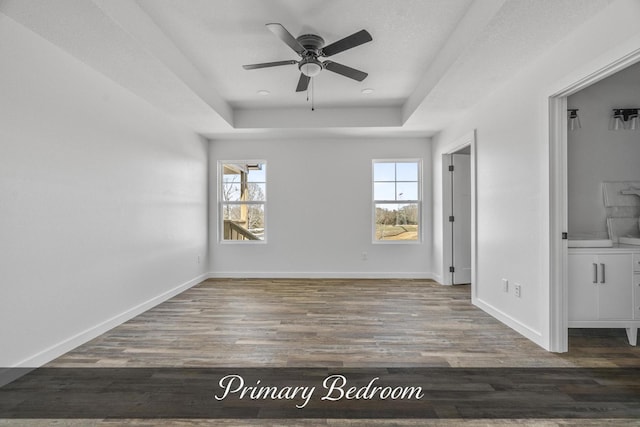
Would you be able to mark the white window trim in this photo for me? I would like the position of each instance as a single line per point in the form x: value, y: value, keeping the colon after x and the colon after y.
x: 419, y: 202
x: 221, y: 203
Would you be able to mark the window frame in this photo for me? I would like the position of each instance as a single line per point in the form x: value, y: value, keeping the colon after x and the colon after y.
x: 418, y: 202
x: 222, y: 203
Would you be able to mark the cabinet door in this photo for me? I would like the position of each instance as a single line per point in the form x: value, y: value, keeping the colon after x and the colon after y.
x: 583, y: 292
x: 615, y: 298
x: 636, y: 294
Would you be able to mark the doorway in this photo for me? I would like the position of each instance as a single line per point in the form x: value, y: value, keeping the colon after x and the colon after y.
x: 558, y: 201
x: 459, y: 213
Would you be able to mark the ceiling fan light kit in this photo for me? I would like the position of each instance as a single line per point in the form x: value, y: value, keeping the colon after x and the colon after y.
x: 310, y: 67
x: 310, y: 47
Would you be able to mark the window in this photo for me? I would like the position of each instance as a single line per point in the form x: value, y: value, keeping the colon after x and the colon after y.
x: 242, y: 198
x: 397, y: 200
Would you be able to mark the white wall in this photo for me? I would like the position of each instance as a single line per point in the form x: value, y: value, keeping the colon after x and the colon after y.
x: 597, y: 154
x: 513, y: 168
x: 319, y: 211
x: 102, y: 202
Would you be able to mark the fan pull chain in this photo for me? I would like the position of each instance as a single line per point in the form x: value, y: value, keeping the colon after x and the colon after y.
x: 310, y: 88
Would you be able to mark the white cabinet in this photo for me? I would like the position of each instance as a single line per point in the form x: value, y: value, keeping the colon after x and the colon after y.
x: 604, y: 290
x: 636, y: 286
x: 636, y: 296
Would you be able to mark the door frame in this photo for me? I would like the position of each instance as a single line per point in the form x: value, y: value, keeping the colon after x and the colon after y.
x: 558, y: 199
x: 468, y: 140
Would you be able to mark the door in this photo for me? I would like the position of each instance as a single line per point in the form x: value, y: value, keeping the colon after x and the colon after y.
x: 583, y: 287
x: 461, y: 218
x: 614, y: 287
x: 600, y: 287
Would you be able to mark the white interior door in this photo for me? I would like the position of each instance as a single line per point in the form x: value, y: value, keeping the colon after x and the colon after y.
x: 460, y: 218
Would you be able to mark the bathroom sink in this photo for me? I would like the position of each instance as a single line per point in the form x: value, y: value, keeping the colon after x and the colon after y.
x: 629, y: 240
x: 591, y: 243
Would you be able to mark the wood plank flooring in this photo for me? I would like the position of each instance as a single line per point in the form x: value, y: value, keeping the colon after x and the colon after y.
x: 348, y: 323
x: 332, y: 323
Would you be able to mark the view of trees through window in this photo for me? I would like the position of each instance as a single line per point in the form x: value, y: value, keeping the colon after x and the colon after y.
x: 396, y: 194
x: 396, y: 200
x: 242, y: 200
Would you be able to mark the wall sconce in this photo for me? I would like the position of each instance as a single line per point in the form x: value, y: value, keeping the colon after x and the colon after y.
x: 625, y: 118
x: 573, y: 119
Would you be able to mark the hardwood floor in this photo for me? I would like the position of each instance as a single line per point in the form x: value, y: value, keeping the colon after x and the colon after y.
x: 342, y: 323
x: 332, y: 323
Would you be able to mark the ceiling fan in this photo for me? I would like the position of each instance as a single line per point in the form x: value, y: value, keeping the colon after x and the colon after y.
x: 310, y: 47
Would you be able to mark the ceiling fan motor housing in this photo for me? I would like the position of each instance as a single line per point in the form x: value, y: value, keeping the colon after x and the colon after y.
x: 312, y: 43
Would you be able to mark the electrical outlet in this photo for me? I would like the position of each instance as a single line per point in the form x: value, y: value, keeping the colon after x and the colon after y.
x: 364, y: 256
x: 198, y: 260
x: 505, y: 285
x: 517, y: 290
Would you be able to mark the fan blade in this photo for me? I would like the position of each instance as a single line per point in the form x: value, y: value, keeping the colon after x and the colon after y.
x: 355, y: 39
x: 286, y: 37
x: 352, y: 73
x: 268, y: 64
x: 303, y: 83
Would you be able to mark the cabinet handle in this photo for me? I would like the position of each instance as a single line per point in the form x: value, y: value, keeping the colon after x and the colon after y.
x: 603, y: 279
x: 595, y: 273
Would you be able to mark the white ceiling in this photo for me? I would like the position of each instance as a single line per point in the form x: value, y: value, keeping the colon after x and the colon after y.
x: 429, y: 59
x: 220, y: 37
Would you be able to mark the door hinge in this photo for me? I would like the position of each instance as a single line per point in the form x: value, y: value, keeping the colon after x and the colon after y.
x: 450, y: 168
x: 565, y: 236
x: 451, y: 218
x: 452, y: 269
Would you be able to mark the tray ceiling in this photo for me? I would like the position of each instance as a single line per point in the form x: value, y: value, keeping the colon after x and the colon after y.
x: 429, y: 59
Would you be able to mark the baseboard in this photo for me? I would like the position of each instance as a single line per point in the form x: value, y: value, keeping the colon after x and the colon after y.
x: 437, y: 278
x: 316, y: 275
x: 514, y: 324
x: 69, y: 344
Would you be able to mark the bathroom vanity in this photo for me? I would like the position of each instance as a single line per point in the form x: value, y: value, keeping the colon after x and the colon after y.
x: 604, y: 288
